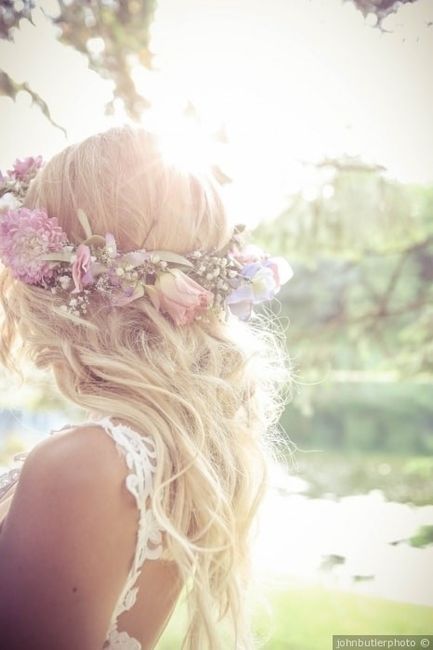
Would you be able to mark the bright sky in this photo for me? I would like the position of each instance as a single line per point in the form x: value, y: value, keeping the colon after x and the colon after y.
x: 290, y: 82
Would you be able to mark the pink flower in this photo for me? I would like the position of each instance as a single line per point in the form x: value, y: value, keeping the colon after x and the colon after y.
x: 24, y: 168
x: 81, y: 272
x: 180, y: 296
x: 25, y: 234
x: 281, y: 270
x: 248, y: 254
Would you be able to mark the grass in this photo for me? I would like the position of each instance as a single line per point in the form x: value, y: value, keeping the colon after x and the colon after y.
x: 305, y: 618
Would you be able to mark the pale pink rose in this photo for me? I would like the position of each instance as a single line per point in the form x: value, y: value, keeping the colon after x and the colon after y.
x: 180, y: 296
x: 81, y: 273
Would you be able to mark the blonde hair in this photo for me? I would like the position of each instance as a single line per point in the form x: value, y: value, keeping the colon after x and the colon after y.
x: 211, y: 394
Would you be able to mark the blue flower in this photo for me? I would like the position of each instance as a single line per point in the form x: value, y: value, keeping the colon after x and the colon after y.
x: 263, y: 280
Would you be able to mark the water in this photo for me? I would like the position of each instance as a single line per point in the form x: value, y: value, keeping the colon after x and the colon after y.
x: 356, y: 543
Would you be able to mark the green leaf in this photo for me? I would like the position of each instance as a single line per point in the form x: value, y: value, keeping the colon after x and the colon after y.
x: 173, y: 257
x: 59, y: 256
x: 82, y: 217
x: 152, y: 292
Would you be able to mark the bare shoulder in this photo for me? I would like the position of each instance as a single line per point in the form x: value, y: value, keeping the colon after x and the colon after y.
x: 83, y: 453
x: 73, y: 480
x: 67, y: 540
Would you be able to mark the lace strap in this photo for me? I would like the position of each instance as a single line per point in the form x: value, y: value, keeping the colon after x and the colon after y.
x: 140, y: 455
x: 11, y: 476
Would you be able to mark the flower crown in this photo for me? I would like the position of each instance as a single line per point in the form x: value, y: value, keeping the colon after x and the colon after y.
x: 184, y: 287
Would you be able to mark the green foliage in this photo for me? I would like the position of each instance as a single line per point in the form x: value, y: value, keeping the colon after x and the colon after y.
x: 362, y: 294
x: 123, y: 32
x: 423, y: 537
x: 11, y: 88
x: 360, y: 416
x: 305, y: 618
x: 112, y: 35
x: 401, y: 479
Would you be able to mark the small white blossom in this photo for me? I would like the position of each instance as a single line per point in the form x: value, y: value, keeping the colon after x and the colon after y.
x: 64, y: 281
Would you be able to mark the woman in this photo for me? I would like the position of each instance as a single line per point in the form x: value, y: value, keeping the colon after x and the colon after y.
x: 125, y: 279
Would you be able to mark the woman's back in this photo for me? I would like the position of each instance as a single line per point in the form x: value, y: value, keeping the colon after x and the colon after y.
x: 152, y: 586
x: 126, y: 279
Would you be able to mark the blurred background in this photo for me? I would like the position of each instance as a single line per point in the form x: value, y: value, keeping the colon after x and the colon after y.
x: 316, y: 118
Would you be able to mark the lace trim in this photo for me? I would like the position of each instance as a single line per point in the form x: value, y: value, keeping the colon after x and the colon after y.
x: 10, y: 477
x: 140, y: 456
x: 121, y: 641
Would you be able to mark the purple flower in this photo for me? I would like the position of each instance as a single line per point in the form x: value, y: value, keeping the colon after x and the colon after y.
x: 127, y: 295
x: 22, y: 169
x: 248, y: 254
x: 25, y: 234
x: 265, y: 279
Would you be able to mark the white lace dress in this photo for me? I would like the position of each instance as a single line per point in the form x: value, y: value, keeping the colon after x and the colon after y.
x: 140, y: 456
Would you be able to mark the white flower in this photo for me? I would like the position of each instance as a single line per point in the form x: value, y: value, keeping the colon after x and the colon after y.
x: 65, y: 281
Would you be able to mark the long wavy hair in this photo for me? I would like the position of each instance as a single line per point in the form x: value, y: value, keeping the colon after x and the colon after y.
x: 211, y: 394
